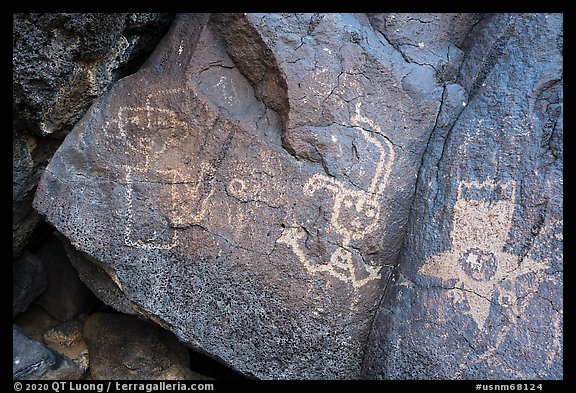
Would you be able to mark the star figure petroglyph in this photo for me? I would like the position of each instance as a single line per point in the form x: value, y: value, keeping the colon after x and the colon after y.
x: 477, y: 261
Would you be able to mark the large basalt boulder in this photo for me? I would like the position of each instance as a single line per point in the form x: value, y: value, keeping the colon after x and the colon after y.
x: 244, y: 203
x: 61, y: 63
x: 478, y: 290
x: 250, y: 187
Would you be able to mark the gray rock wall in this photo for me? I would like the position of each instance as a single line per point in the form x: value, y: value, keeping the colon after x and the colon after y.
x: 331, y: 195
x: 478, y: 289
x: 60, y: 64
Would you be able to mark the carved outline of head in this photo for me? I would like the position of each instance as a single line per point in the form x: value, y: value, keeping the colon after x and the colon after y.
x: 359, y: 202
x: 472, y: 213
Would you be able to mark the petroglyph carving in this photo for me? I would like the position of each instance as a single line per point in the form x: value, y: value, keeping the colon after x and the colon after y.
x: 481, y: 268
x: 355, y: 213
x: 477, y: 260
x: 340, y: 266
x: 148, y: 131
x: 237, y: 187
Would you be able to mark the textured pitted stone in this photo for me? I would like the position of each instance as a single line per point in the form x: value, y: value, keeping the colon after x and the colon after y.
x: 478, y: 291
x: 250, y: 187
x: 125, y: 347
x: 260, y: 231
x: 61, y: 63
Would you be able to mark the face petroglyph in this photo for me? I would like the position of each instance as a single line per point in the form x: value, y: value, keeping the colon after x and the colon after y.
x: 478, y: 264
x: 355, y: 212
x: 362, y: 214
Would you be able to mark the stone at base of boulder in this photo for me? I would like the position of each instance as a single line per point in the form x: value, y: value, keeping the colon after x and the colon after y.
x: 64, y: 338
x: 66, y: 296
x: 125, y: 347
x: 67, y: 340
x: 32, y: 360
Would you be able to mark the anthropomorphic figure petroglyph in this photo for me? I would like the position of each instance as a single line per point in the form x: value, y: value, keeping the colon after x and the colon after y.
x: 477, y: 267
x: 477, y: 260
x: 355, y: 212
x: 156, y: 134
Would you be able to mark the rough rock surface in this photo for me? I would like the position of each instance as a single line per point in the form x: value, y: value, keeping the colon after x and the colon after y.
x: 29, y: 281
x: 251, y: 186
x: 29, y: 158
x: 67, y: 339
x: 31, y: 360
x: 478, y: 289
x: 253, y: 229
x: 126, y: 347
x: 35, y: 322
x: 66, y: 296
x: 61, y: 63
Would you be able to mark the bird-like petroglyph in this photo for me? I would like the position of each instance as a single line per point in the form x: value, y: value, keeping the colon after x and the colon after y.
x: 477, y: 272
x: 477, y: 260
x: 355, y: 212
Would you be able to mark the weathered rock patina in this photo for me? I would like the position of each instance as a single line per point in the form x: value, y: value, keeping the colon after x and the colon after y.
x: 62, y: 62
x: 478, y: 289
x: 251, y: 186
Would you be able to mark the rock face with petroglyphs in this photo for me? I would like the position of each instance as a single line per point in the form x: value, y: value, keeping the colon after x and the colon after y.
x: 478, y: 289
x: 61, y: 63
x: 250, y: 188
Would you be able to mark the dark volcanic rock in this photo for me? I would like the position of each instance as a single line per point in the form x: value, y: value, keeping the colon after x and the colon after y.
x: 250, y: 187
x: 478, y: 290
x: 30, y: 156
x: 63, y: 338
x: 260, y: 231
x: 125, y: 347
x: 31, y: 360
x: 101, y: 280
x: 432, y: 39
x: 66, y: 296
x: 29, y: 280
x: 61, y: 63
